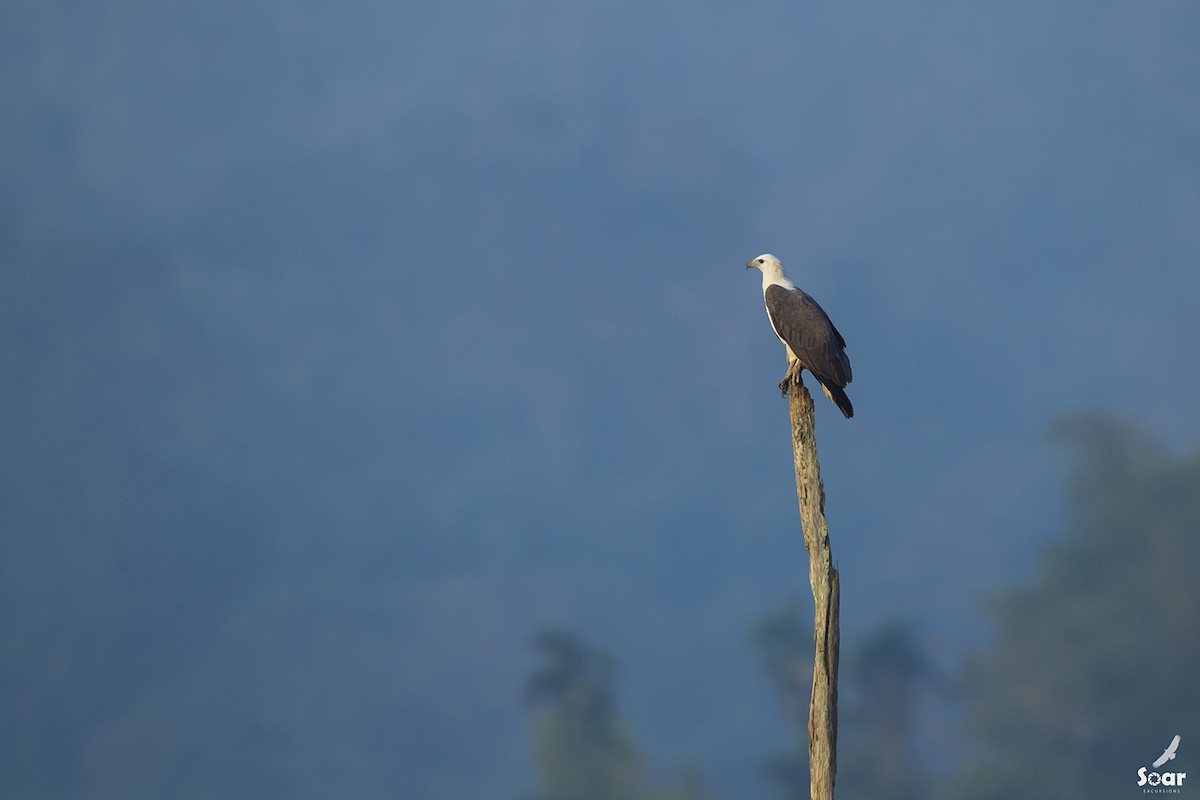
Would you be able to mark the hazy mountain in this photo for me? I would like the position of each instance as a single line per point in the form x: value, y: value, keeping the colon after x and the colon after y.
x: 344, y: 349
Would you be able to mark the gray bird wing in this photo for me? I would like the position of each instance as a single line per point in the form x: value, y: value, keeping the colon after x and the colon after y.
x: 807, y: 329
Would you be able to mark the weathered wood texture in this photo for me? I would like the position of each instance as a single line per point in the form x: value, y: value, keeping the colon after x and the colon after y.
x: 823, y: 576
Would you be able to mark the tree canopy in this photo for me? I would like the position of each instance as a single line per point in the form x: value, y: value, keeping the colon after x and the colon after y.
x: 1093, y: 667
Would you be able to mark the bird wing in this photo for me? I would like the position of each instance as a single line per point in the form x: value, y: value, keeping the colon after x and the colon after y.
x: 807, y: 330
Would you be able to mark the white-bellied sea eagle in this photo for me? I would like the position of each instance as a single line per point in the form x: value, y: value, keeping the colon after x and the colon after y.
x: 805, y: 329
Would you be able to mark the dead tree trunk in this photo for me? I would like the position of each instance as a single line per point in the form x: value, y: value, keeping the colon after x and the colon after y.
x: 823, y: 576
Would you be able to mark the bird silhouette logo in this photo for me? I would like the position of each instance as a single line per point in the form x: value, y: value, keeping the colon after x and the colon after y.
x: 1168, y: 754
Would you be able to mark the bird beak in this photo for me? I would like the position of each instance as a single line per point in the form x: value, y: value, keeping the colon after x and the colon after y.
x: 750, y: 264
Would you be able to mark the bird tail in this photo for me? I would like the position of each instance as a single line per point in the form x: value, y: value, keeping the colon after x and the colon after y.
x: 838, y: 397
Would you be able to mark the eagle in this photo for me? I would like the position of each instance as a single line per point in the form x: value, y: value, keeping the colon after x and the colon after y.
x: 812, y: 342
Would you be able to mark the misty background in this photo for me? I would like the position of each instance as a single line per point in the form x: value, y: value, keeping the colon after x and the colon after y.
x: 344, y: 349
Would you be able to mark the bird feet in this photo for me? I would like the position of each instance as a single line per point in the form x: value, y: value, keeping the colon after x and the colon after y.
x: 791, y: 378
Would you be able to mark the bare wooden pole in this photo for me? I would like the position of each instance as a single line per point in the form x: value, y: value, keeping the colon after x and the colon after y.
x: 823, y: 576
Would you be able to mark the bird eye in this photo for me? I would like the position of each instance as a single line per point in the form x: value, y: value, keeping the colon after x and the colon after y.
x: 760, y: 261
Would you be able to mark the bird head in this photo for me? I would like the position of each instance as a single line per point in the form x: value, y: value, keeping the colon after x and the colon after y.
x: 764, y: 262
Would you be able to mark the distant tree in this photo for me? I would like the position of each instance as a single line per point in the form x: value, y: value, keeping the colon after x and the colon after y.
x: 880, y: 682
x: 1094, y: 666
x: 583, y: 752
x: 783, y: 639
x: 689, y: 785
x: 885, y: 674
